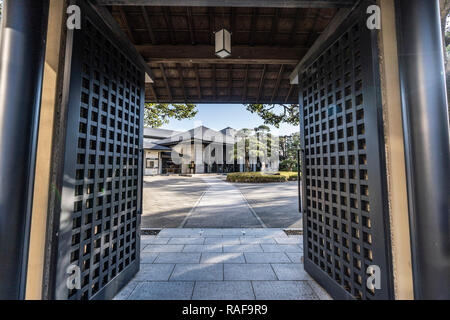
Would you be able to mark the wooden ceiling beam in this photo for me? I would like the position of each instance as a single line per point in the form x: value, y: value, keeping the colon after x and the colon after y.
x: 289, y: 93
x: 251, y: 36
x: 148, y: 25
x: 274, y: 28
x: 190, y: 24
x: 295, y: 24
x: 197, y: 79
x: 214, y: 79
x: 234, y: 3
x: 230, y: 80
x: 277, y: 85
x: 180, y: 73
x: 206, y: 54
x: 167, y: 19
x: 261, y: 83
x: 313, y: 32
x: 244, y: 91
x: 123, y: 17
x: 233, y: 25
x: 166, y: 82
x: 211, y: 25
x: 152, y: 89
x: 339, y: 18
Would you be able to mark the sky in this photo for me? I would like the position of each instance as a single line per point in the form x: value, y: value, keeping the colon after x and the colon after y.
x: 219, y: 116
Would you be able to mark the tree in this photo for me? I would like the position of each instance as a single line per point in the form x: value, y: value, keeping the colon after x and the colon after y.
x: 288, y: 152
x: 254, y: 144
x: 275, y: 114
x: 158, y: 114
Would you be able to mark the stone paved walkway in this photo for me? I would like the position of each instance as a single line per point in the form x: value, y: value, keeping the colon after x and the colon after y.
x: 222, y: 206
x: 222, y: 264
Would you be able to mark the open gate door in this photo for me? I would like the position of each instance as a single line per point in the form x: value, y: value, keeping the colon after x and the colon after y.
x: 98, y: 233
x: 343, y: 174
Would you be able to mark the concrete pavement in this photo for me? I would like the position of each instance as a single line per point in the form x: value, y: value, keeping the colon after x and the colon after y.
x: 222, y: 206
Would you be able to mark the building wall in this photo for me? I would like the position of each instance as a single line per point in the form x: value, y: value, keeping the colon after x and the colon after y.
x: 152, y: 158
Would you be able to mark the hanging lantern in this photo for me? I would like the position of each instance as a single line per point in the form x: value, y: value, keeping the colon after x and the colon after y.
x: 223, y: 43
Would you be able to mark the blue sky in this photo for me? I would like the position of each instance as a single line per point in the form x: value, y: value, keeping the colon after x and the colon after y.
x: 219, y: 116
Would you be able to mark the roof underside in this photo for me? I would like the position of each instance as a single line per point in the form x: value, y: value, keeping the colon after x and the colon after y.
x: 178, y: 44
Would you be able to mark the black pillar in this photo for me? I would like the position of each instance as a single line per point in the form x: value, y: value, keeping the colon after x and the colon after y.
x: 426, y: 131
x: 22, y: 50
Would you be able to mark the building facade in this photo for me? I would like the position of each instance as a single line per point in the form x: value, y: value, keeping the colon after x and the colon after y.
x: 200, y: 150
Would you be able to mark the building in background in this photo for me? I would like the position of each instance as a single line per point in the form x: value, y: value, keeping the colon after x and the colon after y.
x: 199, y: 150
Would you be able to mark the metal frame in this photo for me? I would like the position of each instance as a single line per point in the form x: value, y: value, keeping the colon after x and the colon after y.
x: 22, y: 52
x: 99, y: 223
x: 348, y: 230
x: 426, y: 134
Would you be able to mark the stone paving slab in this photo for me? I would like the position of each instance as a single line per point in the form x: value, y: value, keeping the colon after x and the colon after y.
x: 229, y: 257
x: 154, y: 240
x: 319, y: 291
x: 281, y: 248
x: 148, y: 257
x: 202, y: 248
x: 191, y: 240
x: 223, y: 241
x: 256, y: 240
x: 154, y: 272
x: 163, y: 291
x: 289, y: 240
x: 223, y: 290
x: 283, y: 290
x: 178, y: 257
x: 226, y: 264
x: 266, y: 257
x: 243, y: 248
x: 126, y: 291
x: 296, y: 257
x: 199, y: 272
x: 164, y: 248
x: 249, y: 272
x: 290, y: 271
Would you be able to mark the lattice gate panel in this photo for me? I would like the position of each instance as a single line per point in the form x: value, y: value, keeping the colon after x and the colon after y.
x: 343, y: 175
x: 101, y: 197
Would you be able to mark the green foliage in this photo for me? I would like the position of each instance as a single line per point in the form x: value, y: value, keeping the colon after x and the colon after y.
x: 258, y: 177
x: 291, y: 176
x: 254, y: 144
x: 288, y: 152
x: 288, y: 165
x: 158, y: 114
x: 275, y: 114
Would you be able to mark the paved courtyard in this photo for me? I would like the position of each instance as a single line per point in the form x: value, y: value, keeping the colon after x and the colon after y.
x: 275, y: 203
x: 208, y: 201
x: 222, y: 264
x: 168, y: 200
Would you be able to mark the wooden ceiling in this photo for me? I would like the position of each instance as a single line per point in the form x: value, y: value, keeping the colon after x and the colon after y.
x: 178, y: 44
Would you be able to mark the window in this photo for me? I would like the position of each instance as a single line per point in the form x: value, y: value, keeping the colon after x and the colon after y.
x: 150, y: 164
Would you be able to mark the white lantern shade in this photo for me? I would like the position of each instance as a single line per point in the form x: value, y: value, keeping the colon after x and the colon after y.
x: 223, y: 43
